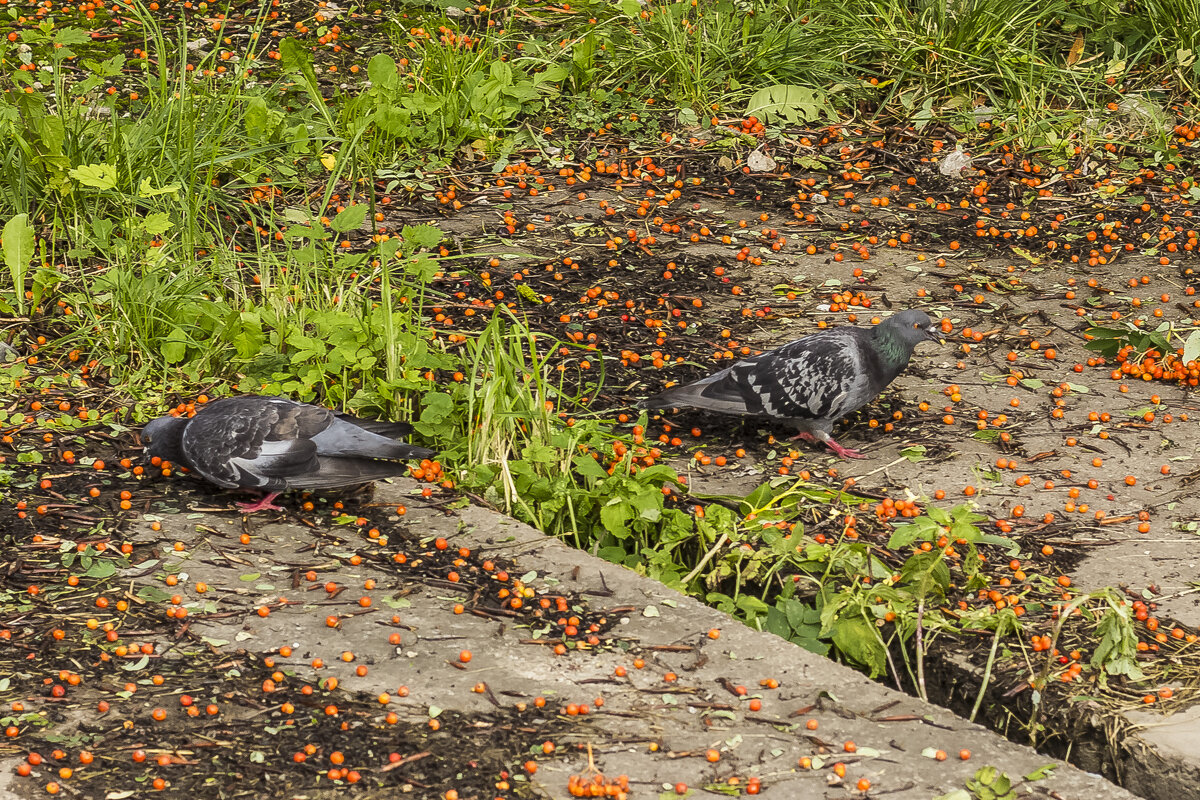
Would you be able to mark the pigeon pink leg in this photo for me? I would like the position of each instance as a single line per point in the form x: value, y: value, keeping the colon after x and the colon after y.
x: 843, y: 452
x: 264, y: 504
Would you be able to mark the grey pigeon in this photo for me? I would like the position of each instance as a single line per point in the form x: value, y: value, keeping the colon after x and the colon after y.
x: 811, y: 382
x: 274, y: 444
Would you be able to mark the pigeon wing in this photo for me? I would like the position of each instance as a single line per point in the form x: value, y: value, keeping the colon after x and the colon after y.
x: 820, y: 377
x: 254, y: 442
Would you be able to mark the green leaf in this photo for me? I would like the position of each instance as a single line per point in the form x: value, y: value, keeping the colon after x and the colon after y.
x: 777, y: 623
x: 295, y: 57
x: 421, y: 236
x: 928, y: 574
x: 904, y: 535
x: 552, y: 74
x: 53, y: 133
x: 528, y: 293
x: 614, y: 554
x: 422, y: 268
x: 614, y: 516
x: 939, y: 515
x: 250, y: 337
x: 174, y: 347
x: 1117, y: 650
x: 382, y: 71
x: 589, y: 467
x: 1041, y: 773
x: 98, y: 176
x: 152, y: 594
x: 109, y: 68
x: 751, y: 606
x: 648, y: 505
x: 351, y: 218
x: 256, y: 119
x: 1191, y: 347
x: 145, y: 189
x: 388, y: 249
x: 137, y: 665
x: 438, y: 406
x: 101, y: 569
x: 157, y: 223
x: 19, y: 244
x: 801, y: 615
x: 792, y: 104
x: 69, y: 36
x: 859, y: 642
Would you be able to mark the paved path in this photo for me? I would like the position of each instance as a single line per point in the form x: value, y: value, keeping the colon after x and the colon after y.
x: 656, y: 730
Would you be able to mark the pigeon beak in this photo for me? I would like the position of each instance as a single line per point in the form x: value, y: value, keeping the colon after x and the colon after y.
x: 933, y: 334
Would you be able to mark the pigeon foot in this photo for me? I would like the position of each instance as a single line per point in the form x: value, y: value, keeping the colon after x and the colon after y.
x: 843, y: 452
x: 264, y: 504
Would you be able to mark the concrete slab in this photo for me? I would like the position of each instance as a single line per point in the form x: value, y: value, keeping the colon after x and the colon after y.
x: 680, y: 718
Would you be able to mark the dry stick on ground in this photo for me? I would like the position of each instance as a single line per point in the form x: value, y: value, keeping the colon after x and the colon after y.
x: 921, y: 651
x: 1001, y: 625
x: 707, y: 557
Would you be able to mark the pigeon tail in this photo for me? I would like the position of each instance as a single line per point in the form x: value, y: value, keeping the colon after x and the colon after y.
x: 331, y: 473
x: 392, y: 430
x: 347, y: 438
x: 721, y: 392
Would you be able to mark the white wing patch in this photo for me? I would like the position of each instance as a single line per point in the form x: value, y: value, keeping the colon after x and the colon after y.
x: 247, y: 468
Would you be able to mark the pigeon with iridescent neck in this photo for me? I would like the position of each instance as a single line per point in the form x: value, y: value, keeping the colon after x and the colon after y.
x: 812, y: 382
x: 273, y: 444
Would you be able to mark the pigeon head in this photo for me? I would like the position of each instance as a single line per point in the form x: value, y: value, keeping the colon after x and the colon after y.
x: 914, y: 326
x: 163, y: 438
x: 900, y: 333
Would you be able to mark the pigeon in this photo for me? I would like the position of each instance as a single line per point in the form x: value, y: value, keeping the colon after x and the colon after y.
x: 274, y: 444
x: 811, y: 382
